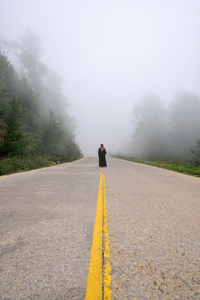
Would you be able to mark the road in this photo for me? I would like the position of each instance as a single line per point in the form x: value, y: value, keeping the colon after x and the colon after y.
x: 47, y: 222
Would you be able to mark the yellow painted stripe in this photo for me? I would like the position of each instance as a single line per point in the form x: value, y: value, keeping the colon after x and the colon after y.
x: 107, y: 275
x: 95, y: 288
x: 95, y: 277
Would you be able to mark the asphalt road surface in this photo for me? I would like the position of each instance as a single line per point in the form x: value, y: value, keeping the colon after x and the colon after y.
x: 47, y: 219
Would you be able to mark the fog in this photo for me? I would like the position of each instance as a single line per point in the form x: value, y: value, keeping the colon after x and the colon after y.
x: 111, y: 54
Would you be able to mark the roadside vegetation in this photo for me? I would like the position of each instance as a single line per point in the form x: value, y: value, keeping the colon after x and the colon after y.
x: 16, y: 164
x: 181, y: 167
x: 35, y: 128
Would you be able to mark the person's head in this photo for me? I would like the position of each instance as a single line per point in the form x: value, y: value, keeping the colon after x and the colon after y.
x: 101, y: 145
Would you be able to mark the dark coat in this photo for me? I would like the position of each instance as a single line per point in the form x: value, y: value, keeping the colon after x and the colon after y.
x: 102, y: 157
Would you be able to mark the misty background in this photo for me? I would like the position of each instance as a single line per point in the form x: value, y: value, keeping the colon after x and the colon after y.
x: 128, y: 70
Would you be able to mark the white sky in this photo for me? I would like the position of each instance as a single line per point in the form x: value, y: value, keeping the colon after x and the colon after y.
x: 110, y: 53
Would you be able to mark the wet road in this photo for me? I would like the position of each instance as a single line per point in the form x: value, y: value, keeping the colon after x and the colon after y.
x: 47, y: 221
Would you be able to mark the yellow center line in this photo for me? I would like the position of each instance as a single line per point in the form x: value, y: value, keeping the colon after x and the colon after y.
x: 98, y: 283
x: 107, y: 276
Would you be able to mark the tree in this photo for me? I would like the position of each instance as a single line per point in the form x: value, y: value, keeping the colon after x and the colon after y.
x: 4, y: 98
x: 196, y: 153
x: 184, y: 127
x: 15, y: 140
x: 13, y: 136
x: 51, y: 136
x: 149, y: 122
x: 28, y: 51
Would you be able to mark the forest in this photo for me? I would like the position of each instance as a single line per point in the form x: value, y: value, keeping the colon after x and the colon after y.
x: 35, y: 128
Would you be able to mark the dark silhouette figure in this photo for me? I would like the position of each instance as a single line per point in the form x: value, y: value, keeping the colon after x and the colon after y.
x: 102, y: 156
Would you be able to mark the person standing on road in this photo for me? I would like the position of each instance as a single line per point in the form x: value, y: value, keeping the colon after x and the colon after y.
x: 102, y: 156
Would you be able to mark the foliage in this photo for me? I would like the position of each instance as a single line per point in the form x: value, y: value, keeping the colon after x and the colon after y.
x: 51, y: 136
x: 9, y: 165
x: 15, y: 140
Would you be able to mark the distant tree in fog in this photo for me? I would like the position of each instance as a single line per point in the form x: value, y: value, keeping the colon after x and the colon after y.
x: 46, y: 84
x: 167, y: 134
x: 56, y: 102
x: 28, y: 51
x: 184, y: 113
x: 196, y: 153
x: 149, y: 118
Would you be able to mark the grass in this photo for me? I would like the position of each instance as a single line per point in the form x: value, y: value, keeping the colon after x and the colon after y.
x: 181, y: 167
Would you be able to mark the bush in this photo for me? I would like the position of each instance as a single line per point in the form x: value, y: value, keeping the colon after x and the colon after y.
x: 16, y: 164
